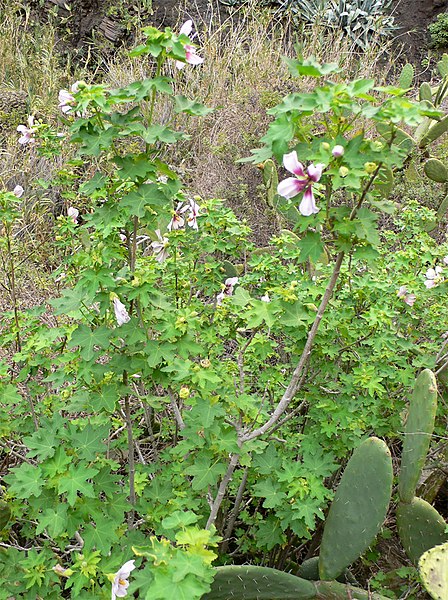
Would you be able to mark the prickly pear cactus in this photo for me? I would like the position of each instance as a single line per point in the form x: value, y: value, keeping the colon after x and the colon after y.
x: 425, y: 92
x: 420, y: 527
x: 434, y: 132
x: 263, y: 583
x: 5, y: 514
x: 258, y: 583
x: 418, y: 430
x: 436, y: 170
x: 433, y: 567
x: 358, y: 509
x: 406, y: 76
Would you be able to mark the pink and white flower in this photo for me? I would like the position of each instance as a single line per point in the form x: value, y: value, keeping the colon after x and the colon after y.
x: 433, y: 277
x: 445, y: 260
x: 177, y: 222
x: 120, y: 583
x: 73, y: 214
x: 190, y: 51
x: 194, y: 209
x: 18, y: 191
x: 160, y: 247
x: 302, y: 182
x: 27, y: 132
x: 408, y: 299
x: 121, y: 314
x: 229, y: 285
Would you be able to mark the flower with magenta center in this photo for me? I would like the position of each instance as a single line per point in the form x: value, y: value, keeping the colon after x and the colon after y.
x: 229, y: 284
x: 193, y: 207
x: 73, y: 214
x: 408, y: 299
x: 177, y: 222
x: 120, y: 583
x: 27, y: 132
x: 190, y: 51
x: 338, y: 151
x: 160, y: 247
x: 302, y: 182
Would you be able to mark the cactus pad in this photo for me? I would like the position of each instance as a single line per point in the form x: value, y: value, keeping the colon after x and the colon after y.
x: 434, y: 132
x: 420, y: 527
x: 436, y: 170
x: 358, y: 509
x: 258, y: 583
x: 406, y: 76
x: 425, y: 92
x: 433, y: 567
x: 418, y: 430
x: 332, y: 590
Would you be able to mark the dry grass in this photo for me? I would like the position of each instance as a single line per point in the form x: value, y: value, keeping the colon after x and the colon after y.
x: 242, y: 76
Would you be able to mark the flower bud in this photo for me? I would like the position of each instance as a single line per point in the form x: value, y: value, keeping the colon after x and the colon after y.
x: 370, y: 167
x: 338, y: 151
x: 343, y: 171
x: 184, y: 392
x: 205, y: 363
x: 325, y: 146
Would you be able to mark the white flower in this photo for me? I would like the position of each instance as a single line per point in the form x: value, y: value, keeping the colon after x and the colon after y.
x: 18, y: 191
x: 27, y: 132
x: 66, y: 99
x: 408, y: 299
x: 177, y: 222
x: 120, y: 583
x: 445, y: 259
x: 229, y: 284
x: 160, y: 247
x: 73, y: 214
x: 433, y: 277
x: 302, y: 182
x: 121, y: 314
x: 190, y: 51
x: 265, y: 298
x: 194, y: 214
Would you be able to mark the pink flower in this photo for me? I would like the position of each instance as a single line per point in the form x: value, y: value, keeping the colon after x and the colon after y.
x: 27, y: 132
x: 160, y: 247
x: 408, y: 299
x: 73, y: 214
x: 190, y: 51
x: 445, y: 260
x: 18, y: 191
x: 120, y: 583
x: 302, y: 182
x: 229, y: 284
x: 177, y: 222
x: 433, y: 277
x: 121, y: 314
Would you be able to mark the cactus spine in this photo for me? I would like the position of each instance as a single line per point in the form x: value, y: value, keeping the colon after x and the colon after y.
x: 433, y: 567
x: 358, y: 509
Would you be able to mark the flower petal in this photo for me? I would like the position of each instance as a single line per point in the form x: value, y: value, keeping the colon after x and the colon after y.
x: 191, y: 57
x: 292, y: 164
x: 290, y: 187
x: 430, y: 283
x: 308, y: 206
x: 186, y: 28
x: 315, y: 171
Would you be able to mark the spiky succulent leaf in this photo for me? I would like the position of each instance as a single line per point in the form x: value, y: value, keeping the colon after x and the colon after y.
x: 425, y: 92
x: 406, y: 76
x: 420, y: 527
x: 418, y: 430
x: 434, y: 132
x: 433, y: 567
x: 358, y: 509
x: 436, y: 170
x: 258, y: 583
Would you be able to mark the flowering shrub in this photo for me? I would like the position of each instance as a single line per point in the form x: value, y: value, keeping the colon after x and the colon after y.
x: 188, y: 371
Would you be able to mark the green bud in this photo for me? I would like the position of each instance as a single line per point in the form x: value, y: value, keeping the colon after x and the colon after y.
x: 370, y: 167
x: 343, y: 171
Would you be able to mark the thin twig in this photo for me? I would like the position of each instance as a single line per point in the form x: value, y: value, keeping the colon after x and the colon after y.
x: 235, y: 511
x: 234, y: 459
